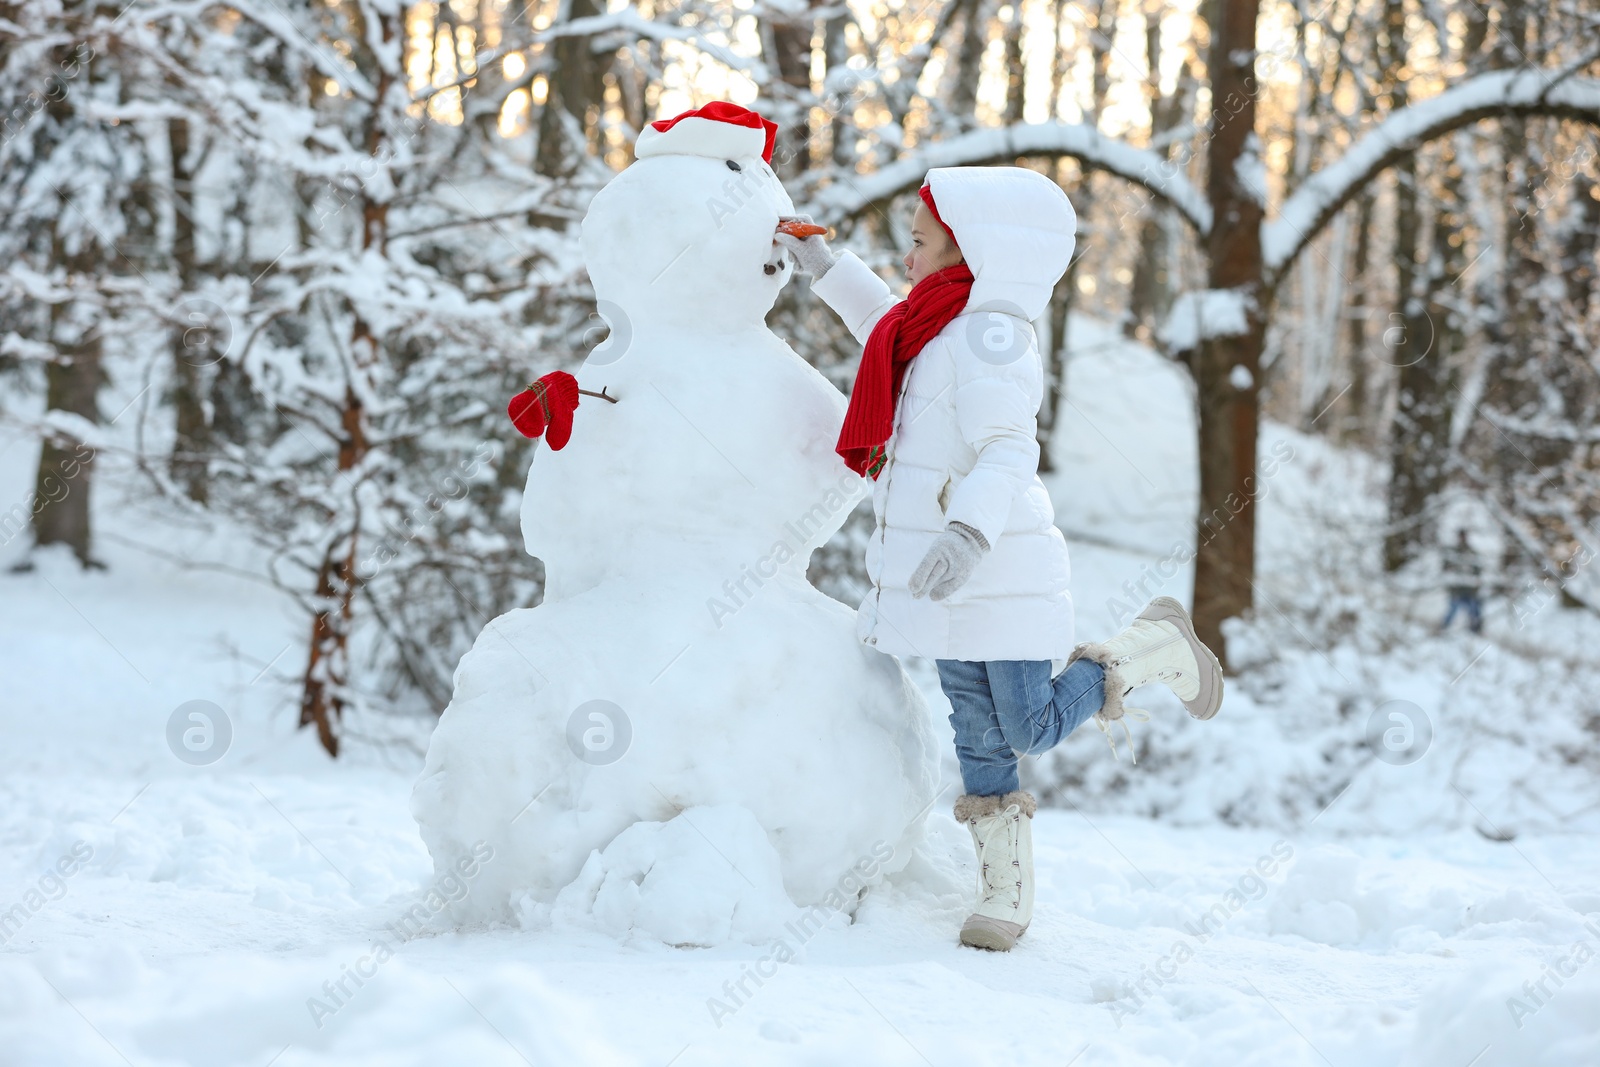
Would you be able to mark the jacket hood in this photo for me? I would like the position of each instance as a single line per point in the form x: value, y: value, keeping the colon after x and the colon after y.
x: 1016, y: 230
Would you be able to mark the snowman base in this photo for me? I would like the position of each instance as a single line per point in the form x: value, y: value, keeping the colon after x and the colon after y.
x: 705, y: 877
x: 572, y: 722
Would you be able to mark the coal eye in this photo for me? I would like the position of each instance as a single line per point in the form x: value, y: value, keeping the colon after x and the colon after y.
x: 732, y: 165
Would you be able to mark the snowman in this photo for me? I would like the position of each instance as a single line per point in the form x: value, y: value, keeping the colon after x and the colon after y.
x: 680, y: 662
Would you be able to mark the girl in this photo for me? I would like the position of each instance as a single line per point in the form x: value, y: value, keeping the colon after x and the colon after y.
x: 967, y: 566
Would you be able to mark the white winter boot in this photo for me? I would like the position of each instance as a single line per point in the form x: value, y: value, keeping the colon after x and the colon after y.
x: 1002, y: 833
x: 1158, y: 646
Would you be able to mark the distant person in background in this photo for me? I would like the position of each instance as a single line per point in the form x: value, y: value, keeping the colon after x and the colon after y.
x: 1463, y: 576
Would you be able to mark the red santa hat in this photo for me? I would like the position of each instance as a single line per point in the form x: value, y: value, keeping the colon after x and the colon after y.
x: 719, y: 130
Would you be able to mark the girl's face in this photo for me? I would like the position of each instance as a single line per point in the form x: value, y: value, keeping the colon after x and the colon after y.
x: 931, y: 247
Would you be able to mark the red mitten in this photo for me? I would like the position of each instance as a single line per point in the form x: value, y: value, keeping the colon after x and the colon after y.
x: 546, y: 407
x: 527, y: 413
x: 561, y: 397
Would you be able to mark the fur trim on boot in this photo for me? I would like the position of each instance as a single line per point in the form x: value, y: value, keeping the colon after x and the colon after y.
x: 1116, y: 687
x: 970, y: 806
x: 1117, y: 690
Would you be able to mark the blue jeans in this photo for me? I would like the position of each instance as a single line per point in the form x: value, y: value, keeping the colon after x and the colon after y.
x: 1007, y: 708
x: 1474, y: 607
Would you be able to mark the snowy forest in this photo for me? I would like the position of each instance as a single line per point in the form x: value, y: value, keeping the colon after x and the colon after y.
x: 325, y: 241
x: 1326, y: 359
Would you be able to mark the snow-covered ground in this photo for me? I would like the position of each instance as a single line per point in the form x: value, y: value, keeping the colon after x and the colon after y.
x: 1229, y: 901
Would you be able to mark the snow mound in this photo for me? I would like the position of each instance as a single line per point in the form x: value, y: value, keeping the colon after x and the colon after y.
x: 1542, y: 1012
x: 1320, y: 902
x: 352, y: 1008
x: 704, y: 877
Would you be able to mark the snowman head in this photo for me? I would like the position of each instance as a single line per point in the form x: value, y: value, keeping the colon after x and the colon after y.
x: 684, y: 236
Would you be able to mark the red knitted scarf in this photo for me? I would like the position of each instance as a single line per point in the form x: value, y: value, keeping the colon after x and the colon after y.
x: 896, y: 339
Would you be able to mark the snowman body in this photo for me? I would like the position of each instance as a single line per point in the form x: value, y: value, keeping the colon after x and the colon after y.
x: 679, y: 657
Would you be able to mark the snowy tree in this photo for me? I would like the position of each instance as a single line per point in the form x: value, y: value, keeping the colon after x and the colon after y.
x: 75, y: 239
x: 359, y: 360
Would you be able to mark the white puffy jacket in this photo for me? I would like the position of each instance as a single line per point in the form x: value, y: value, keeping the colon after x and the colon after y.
x: 964, y: 446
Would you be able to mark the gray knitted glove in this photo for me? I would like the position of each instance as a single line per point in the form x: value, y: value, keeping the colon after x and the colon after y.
x: 811, y: 253
x: 949, y: 563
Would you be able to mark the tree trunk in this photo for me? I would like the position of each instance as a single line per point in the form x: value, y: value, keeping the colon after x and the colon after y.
x: 841, y: 113
x: 1348, y: 420
x: 1066, y: 289
x: 1228, y: 368
x: 1150, y: 293
x: 60, y: 509
x: 574, y: 83
x: 968, y: 64
x: 1013, y: 66
x: 1580, y: 259
x: 1414, y: 437
x: 1419, y: 443
x: 791, y: 39
x: 1100, y: 40
x: 61, y: 486
x: 1530, y: 373
x: 1433, y: 327
x: 192, y: 440
x: 1055, y: 360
